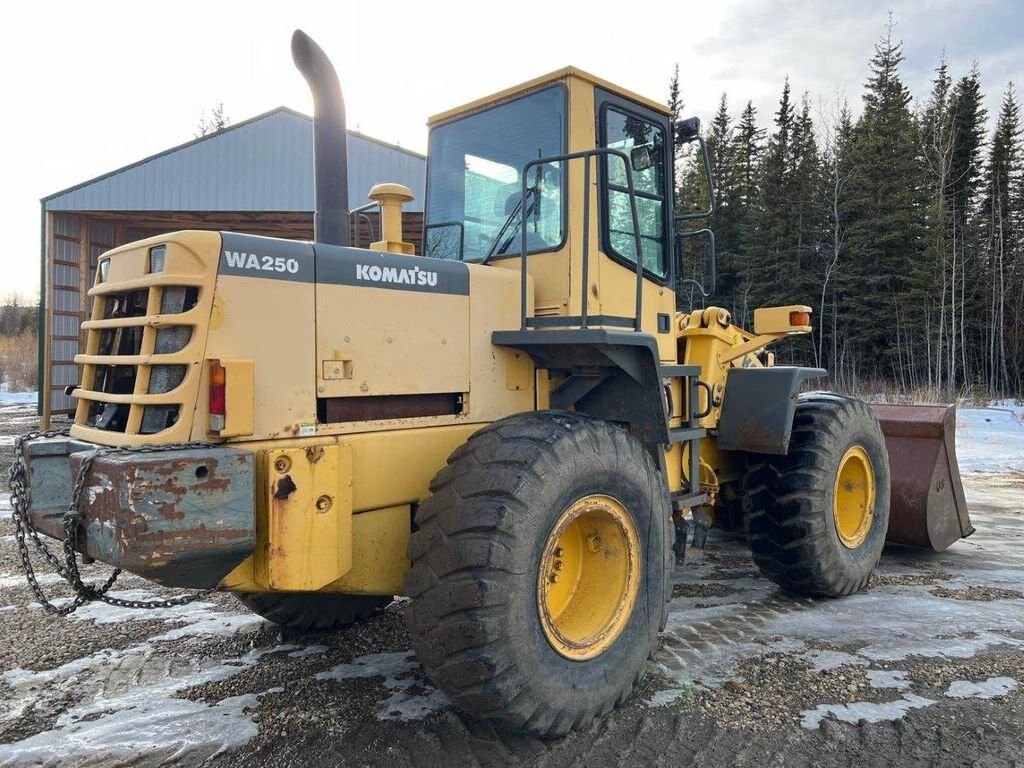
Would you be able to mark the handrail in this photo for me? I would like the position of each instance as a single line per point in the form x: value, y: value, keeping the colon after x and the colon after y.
x: 360, y: 213
x: 631, y: 190
x: 712, y: 265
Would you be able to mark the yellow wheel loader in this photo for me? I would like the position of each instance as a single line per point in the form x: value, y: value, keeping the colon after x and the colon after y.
x: 515, y: 428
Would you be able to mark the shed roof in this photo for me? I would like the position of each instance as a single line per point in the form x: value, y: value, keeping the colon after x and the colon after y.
x: 261, y: 164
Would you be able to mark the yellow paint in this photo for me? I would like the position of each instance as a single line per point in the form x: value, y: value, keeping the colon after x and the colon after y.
x: 589, y: 577
x: 380, y: 559
x: 254, y: 325
x: 398, y: 342
x: 853, y: 497
x: 304, y: 517
x: 559, y: 75
x: 775, y: 320
x: 390, y: 198
x: 519, y: 371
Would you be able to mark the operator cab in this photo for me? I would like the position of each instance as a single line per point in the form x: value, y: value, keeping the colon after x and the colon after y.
x: 500, y: 163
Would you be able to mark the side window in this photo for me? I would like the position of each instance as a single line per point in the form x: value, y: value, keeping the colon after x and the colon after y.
x: 644, y: 143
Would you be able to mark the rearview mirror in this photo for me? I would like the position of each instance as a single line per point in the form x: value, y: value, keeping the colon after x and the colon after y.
x: 640, y: 158
x: 687, y: 130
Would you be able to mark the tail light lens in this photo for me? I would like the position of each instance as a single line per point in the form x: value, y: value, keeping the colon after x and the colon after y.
x: 799, y: 318
x: 217, y: 410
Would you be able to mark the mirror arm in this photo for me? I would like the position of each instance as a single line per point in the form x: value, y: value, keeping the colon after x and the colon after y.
x: 712, y: 262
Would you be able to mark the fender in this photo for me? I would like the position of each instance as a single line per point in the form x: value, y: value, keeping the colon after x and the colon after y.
x: 757, y: 413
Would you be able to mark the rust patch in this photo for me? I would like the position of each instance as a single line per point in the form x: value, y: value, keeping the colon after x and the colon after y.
x: 314, y: 453
x: 284, y: 488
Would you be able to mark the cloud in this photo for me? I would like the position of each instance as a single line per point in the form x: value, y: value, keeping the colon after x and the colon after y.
x: 825, y: 47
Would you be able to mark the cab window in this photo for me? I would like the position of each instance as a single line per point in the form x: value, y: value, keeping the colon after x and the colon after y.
x: 475, y: 207
x: 643, y: 142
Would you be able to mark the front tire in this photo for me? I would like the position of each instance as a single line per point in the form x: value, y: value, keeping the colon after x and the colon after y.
x: 540, y: 569
x: 817, y: 518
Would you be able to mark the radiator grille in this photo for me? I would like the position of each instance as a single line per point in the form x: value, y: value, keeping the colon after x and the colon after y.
x: 139, y: 355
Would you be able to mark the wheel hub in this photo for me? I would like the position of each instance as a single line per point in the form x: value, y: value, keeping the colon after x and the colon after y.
x: 589, y: 577
x: 853, y: 500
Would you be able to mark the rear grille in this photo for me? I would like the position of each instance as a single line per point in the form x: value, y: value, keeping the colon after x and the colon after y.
x: 139, y: 355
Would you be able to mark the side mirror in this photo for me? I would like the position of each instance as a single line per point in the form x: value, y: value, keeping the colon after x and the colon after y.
x: 640, y: 158
x: 687, y: 130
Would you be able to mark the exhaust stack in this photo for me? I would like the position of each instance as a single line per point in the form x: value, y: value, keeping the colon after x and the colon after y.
x: 330, y: 141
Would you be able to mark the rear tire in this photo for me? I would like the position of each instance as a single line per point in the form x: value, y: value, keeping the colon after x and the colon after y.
x: 481, y: 617
x: 312, y: 611
x: 800, y: 536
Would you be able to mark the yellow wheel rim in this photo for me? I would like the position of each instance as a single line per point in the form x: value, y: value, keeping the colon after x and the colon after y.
x: 853, y: 501
x: 589, y: 577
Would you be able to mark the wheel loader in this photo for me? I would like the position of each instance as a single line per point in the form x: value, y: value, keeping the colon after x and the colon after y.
x: 515, y: 428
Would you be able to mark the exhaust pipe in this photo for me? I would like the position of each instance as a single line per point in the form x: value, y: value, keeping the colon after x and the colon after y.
x: 330, y: 141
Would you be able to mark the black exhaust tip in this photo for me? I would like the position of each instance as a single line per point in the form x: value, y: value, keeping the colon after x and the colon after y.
x: 330, y: 141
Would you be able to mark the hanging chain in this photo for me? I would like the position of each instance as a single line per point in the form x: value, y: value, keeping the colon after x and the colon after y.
x: 67, y: 567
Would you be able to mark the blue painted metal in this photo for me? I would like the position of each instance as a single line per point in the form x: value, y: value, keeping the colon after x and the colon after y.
x: 261, y: 164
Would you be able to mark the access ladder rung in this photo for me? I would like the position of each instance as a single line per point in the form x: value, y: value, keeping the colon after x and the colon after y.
x: 684, y: 434
x: 675, y: 371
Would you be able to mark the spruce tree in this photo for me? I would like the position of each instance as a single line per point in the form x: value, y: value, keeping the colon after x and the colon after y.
x: 747, y: 156
x: 885, y: 223
x: 720, y: 152
x: 1002, y: 246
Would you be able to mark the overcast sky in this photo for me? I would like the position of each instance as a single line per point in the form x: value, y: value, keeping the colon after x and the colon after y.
x: 88, y: 87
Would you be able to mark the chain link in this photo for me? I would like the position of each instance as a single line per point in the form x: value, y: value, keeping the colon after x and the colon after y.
x: 67, y: 567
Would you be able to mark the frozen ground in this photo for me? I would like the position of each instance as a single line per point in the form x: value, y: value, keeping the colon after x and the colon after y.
x: 925, y: 667
x: 16, y: 398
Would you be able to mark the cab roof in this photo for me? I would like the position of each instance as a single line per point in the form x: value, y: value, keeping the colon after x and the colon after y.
x: 559, y: 75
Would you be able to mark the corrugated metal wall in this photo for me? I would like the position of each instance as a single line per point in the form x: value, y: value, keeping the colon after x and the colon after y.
x: 263, y: 164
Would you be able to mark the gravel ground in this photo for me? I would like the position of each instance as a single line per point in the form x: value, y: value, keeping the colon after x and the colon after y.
x: 925, y: 667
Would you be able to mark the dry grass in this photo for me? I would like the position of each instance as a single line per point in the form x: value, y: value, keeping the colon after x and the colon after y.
x: 18, y: 361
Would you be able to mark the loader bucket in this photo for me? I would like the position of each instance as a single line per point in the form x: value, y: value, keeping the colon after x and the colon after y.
x: 927, y: 506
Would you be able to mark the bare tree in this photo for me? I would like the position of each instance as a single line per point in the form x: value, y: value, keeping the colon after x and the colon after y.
x: 217, y: 121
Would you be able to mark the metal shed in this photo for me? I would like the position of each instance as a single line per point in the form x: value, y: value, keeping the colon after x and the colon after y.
x: 255, y: 176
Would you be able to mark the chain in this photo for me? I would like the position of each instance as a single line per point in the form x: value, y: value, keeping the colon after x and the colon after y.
x: 67, y: 567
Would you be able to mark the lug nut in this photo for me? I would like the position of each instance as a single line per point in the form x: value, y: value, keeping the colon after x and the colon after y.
x: 553, y: 578
x: 558, y: 565
x: 282, y: 464
x: 559, y: 551
x: 323, y: 504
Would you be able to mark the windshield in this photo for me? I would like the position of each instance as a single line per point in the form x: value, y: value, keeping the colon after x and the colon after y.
x: 474, y: 187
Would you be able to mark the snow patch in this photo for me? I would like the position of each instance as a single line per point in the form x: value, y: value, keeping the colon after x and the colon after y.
x: 16, y: 398
x: 310, y: 650
x: 991, y: 439
x: 410, y: 700
x: 43, y: 579
x: 988, y: 689
x: 872, y: 712
x: 200, y: 617
x: 822, y: 661
x: 119, y: 724
x: 6, y: 510
x: 888, y: 678
x: 666, y: 697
